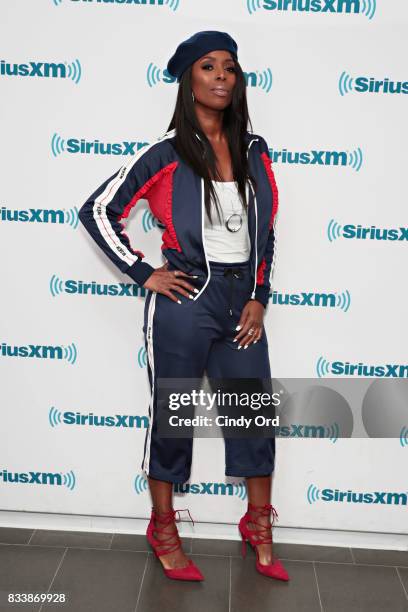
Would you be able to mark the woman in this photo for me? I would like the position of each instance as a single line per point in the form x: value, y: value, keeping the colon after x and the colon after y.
x: 214, y: 283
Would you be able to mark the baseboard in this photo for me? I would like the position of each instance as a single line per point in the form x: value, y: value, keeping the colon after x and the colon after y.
x: 223, y: 531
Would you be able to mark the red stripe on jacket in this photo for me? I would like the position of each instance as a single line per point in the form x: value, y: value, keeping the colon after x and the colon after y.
x: 275, y: 203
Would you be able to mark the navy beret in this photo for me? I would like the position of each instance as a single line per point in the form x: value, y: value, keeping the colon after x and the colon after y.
x: 198, y: 45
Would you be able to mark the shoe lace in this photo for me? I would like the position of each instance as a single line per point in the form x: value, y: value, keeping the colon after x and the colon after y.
x: 166, y: 518
x: 263, y: 510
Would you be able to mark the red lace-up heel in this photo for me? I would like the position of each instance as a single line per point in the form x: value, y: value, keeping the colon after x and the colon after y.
x: 191, y: 571
x: 274, y: 569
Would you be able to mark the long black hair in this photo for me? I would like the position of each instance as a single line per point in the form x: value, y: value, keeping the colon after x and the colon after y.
x: 198, y: 153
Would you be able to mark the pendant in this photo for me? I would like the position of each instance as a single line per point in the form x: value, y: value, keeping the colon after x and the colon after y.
x: 234, y: 222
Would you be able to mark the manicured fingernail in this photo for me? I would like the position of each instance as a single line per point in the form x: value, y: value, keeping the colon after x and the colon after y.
x: 178, y: 302
x: 238, y: 327
x: 194, y: 276
x: 235, y: 339
x: 191, y: 296
x: 255, y: 341
x: 195, y: 290
x: 240, y: 346
x: 246, y: 346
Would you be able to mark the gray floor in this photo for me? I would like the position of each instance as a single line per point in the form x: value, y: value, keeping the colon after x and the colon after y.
x: 101, y: 572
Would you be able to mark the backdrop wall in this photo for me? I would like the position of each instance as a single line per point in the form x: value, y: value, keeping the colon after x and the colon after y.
x: 82, y: 85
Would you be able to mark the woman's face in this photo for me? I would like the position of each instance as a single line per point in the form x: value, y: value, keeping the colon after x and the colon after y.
x: 213, y: 79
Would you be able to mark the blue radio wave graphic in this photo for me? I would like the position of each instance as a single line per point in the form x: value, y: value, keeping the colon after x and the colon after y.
x: 57, y: 2
x: 265, y: 79
x: 322, y: 367
x: 54, y: 417
x: 173, y: 4
x: 74, y: 71
x: 343, y: 300
x: 153, y: 74
x: 140, y: 484
x: 240, y: 490
x: 333, y: 230
x: 355, y: 159
x: 345, y: 83
x: 57, y: 145
x: 142, y: 357
x: 148, y: 221
x: 70, y: 353
x: 56, y: 285
x: 312, y: 494
x: 369, y: 7
x: 72, y: 217
x: 333, y: 432
x: 404, y: 436
x: 253, y: 5
x: 69, y: 480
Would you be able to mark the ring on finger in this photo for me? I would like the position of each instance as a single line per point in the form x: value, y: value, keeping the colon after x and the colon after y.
x: 250, y: 332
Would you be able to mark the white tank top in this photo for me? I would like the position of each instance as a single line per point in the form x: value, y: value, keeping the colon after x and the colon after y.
x: 221, y: 244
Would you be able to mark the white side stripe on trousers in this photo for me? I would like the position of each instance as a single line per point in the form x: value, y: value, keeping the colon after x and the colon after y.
x: 150, y: 356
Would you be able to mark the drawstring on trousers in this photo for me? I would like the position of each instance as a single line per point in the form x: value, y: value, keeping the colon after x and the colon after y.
x: 232, y: 273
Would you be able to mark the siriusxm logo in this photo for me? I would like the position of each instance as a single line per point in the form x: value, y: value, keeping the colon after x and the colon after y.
x: 212, y: 488
x: 320, y: 300
x: 364, y: 7
x: 259, y: 79
x: 73, y: 287
x: 314, y: 494
x: 363, y: 84
x: 53, y: 479
x: 308, y: 431
x: 172, y: 4
x: 56, y: 417
x: 358, y: 232
x: 43, y: 70
x: 354, y: 159
x: 199, y: 488
x: 93, y: 147
x: 345, y: 368
x: 41, y: 215
x: 39, y: 351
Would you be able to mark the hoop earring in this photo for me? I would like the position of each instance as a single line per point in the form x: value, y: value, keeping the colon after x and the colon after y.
x: 192, y: 95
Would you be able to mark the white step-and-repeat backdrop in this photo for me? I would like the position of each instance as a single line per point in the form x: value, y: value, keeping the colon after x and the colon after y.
x: 83, y: 84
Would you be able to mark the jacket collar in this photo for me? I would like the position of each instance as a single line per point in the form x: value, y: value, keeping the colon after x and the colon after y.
x: 249, y: 139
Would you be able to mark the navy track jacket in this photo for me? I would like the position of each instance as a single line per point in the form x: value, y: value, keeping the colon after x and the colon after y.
x: 175, y: 194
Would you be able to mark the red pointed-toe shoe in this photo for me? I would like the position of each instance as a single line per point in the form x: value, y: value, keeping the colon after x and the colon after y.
x: 191, y: 571
x: 274, y: 569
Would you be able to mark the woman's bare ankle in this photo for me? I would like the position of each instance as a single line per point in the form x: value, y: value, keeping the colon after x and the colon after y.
x: 175, y: 558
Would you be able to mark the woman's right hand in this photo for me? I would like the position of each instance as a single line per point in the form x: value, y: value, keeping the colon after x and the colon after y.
x: 164, y: 281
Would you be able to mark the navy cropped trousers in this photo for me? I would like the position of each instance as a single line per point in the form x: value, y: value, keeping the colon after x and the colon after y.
x: 185, y: 341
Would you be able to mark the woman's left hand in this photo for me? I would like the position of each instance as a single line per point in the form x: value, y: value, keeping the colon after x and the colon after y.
x: 250, y: 324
